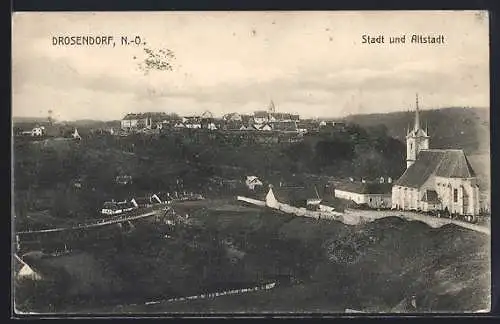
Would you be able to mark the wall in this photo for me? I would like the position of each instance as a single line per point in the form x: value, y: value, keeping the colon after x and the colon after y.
x: 409, y: 198
x: 465, y: 187
x: 405, y: 198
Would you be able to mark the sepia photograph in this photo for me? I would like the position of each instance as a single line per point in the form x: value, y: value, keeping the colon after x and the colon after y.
x: 250, y: 162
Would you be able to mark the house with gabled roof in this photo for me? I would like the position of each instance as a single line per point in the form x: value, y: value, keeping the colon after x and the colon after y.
x: 260, y: 117
x: 263, y: 127
x: 252, y: 182
x: 296, y: 196
x: 144, y: 120
x: 372, y: 194
x: 435, y: 179
x: 117, y: 207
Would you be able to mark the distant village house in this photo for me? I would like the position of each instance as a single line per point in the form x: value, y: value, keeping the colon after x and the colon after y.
x: 124, y: 179
x: 252, y: 182
x: 116, y: 208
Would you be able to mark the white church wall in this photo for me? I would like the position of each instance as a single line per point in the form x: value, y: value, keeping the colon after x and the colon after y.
x: 452, y: 190
x: 429, y: 184
x: 415, y: 199
x: 395, y: 197
x: 398, y: 197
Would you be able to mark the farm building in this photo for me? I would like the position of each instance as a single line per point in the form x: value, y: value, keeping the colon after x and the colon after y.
x: 116, y: 208
x: 252, y: 182
x: 373, y: 194
x: 300, y: 196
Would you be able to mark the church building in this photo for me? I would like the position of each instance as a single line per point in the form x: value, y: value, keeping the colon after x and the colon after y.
x: 435, y: 179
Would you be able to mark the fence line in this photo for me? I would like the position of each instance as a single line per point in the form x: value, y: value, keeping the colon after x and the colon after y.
x: 100, y: 222
x: 354, y: 217
x: 211, y: 295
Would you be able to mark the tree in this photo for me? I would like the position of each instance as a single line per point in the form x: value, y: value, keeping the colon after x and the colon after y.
x: 378, y: 131
x: 159, y: 60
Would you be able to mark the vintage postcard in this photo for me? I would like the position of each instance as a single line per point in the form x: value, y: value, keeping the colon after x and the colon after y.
x: 251, y: 162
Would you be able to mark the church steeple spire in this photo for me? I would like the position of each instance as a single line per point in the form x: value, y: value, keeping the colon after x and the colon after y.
x: 417, y: 139
x: 272, y: 107
x: 417, y: 115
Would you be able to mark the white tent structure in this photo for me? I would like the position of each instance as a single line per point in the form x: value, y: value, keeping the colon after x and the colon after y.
x: 26, y: 271
x: 76, y: 135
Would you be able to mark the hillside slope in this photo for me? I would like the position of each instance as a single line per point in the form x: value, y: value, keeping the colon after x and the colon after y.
x: 466, y: 128
x: 373, y: 267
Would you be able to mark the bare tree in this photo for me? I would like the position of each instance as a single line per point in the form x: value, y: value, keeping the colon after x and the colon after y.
x: 159, y: 60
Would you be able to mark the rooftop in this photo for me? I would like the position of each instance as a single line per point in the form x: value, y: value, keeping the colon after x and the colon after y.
x: 365, y: 187
x: 153, y: 115
x: 446, y: 163
x: 291, y: 194
x: 418, y: 133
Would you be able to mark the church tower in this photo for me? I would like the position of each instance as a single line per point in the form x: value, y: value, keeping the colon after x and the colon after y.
x: 416, y: 139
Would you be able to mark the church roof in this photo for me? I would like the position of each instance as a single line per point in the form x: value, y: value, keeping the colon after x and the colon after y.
x: 442, y: 163
x: 418, y: 133
x: 455, y: 165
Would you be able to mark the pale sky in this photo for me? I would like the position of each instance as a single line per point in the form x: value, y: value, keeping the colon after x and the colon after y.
x: 310, y: 63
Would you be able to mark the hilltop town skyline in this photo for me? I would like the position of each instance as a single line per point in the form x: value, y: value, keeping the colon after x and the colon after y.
x: 218, y: 116
x: 312, y: 64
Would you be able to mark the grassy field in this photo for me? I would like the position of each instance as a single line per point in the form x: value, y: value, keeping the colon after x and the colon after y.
x: 332, y: 266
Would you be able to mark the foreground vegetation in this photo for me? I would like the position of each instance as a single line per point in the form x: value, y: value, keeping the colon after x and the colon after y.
x: 320, y: 266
